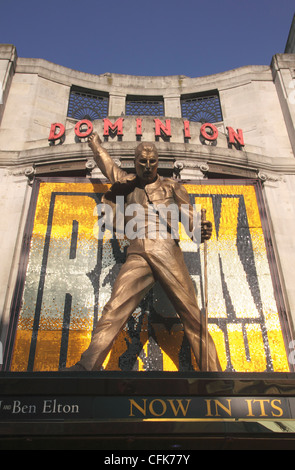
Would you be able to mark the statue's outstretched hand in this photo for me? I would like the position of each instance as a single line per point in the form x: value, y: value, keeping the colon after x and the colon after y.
x: 206, y: 230
x: 94, y: 141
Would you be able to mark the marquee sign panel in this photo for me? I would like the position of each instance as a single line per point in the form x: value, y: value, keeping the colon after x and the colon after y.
x: 68, y: 273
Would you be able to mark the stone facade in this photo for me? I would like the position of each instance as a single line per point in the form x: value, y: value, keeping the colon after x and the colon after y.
x: 260, y: 100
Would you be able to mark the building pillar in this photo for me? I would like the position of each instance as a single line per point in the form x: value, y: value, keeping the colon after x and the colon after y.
x: 117, y: 104
x: 8, y: 59
x: 283, y: 69
x: 172, y: 105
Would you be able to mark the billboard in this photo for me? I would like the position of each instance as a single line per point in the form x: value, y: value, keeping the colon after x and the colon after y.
x: 67, y: 273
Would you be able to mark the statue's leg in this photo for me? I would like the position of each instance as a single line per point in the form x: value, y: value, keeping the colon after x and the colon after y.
x: 170, y: 270
x: 133, y: 282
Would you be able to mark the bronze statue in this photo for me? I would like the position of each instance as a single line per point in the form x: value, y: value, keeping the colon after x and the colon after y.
x: 149, y: 259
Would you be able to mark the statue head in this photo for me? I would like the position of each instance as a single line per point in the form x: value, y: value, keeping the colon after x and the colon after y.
x: 146, y: 162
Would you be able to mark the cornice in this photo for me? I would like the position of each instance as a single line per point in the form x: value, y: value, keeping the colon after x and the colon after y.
x: 145, y: 85
x: 186, y: 154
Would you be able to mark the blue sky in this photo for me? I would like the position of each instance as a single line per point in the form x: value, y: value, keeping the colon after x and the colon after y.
x: 152, y: 37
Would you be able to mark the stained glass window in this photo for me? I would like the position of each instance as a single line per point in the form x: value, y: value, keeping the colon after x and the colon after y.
x: 87, y: 104
x: 144, y: 106
x: 201, y: 108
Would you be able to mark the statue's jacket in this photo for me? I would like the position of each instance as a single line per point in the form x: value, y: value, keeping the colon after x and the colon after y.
x: 154, y: 198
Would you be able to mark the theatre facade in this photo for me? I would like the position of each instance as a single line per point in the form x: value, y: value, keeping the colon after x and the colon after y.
x: 229, y: 139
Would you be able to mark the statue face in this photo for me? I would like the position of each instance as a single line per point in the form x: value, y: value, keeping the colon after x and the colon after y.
x: 146, y: 163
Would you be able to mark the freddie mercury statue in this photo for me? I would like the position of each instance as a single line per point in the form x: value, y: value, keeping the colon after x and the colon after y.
x: 148, y: 260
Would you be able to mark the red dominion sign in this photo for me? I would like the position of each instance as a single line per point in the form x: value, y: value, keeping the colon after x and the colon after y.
x: 84, y: 128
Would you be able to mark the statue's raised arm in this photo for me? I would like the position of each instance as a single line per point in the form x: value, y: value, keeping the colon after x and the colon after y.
x: 103, y: 160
